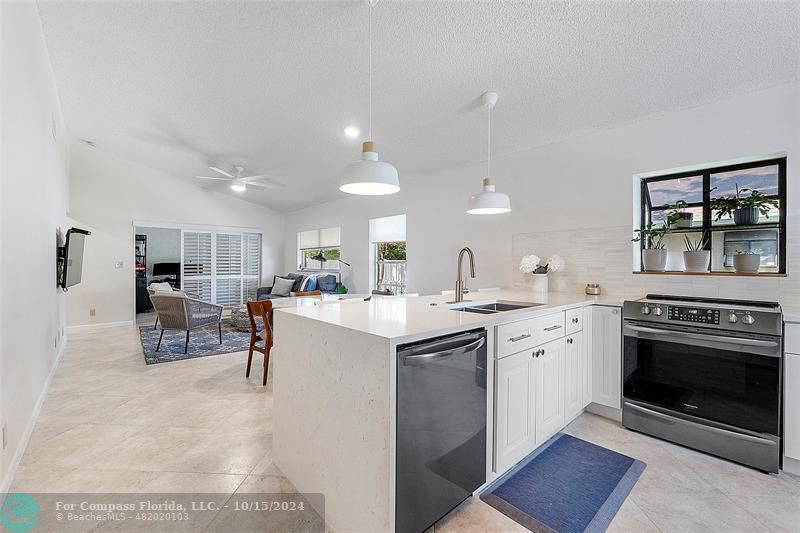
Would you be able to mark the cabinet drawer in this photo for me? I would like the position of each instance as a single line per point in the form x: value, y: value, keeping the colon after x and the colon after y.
x: 574, y: 319
x: 518, y: 336
x: 792, y: 339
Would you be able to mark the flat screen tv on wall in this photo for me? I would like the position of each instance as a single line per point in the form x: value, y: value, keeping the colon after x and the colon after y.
x: 70, y: 258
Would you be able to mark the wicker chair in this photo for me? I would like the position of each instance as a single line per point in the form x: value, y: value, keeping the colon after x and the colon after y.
x: 178, y: 311
x: 162, y: 288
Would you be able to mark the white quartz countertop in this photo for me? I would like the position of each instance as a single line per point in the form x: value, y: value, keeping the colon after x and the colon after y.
x: 404, y: 319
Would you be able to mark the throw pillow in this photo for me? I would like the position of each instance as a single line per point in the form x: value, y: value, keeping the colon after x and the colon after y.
x: 312, y: 283
x: 161, y: 287
x: 298, y: 280
x: 326, y: 283
x: 282, y: 286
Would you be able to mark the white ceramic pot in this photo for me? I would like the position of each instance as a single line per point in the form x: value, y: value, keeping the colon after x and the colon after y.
x: 540, y: 284
x: 697, y: 261
x: 655, y: 260
x: 746, y: 263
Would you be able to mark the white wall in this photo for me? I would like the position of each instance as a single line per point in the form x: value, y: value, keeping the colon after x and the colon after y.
x: 163, y: 246
x: 33, y: 199
x: 108, y: 194
x: 582, y: 182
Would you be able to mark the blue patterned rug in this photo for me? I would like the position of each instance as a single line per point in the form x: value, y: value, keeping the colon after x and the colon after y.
x: 202, y: 343
x: 568, y: 485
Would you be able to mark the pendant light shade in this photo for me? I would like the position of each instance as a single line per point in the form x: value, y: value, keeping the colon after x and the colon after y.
x: 489, y: 201
x: 368, y: 176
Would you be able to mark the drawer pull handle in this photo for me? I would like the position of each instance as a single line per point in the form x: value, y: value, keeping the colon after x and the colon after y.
x: 553, y: 328
x: 521, y: 337
x: 574, y: 320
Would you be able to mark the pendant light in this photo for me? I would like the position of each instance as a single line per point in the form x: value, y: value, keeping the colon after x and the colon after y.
x: 489, y: 202
x: 368, y: 176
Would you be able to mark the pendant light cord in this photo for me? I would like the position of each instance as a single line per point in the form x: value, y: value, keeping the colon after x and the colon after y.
x: 369, y: 31
x: 488, y: 142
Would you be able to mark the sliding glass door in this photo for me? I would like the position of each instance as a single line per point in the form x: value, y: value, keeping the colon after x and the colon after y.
x: 221, y: 267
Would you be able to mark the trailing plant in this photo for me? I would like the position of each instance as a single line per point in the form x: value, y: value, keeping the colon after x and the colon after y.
x: 726, y: 205
x: 678, y: 207
x: 696, y: 245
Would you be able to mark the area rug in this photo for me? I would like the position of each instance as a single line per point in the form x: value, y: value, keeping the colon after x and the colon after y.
x: 567, y: 485
x: 202, y: 343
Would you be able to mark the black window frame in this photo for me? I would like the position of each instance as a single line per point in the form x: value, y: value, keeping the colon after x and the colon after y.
x: 647, y: 209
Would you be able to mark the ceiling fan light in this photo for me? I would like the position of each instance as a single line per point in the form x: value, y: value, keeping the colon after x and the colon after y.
x: 368, y: 176
x: 488, y: 201
x: 238, y: 185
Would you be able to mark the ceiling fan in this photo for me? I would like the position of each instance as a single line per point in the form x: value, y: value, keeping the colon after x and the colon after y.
x: 238, y: 181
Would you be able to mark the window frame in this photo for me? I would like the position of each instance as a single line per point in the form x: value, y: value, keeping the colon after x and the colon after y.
x: 301, y: 253
x: 401, y: 288
x: 646, y: 209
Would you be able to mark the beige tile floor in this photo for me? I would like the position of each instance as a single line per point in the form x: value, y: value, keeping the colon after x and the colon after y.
x: 112, y: 424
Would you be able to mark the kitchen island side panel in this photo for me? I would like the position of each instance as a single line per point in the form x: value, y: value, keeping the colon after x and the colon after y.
x: 332, y: 414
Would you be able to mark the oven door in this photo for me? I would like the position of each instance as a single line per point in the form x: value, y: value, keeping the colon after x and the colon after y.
x: 731, y: 379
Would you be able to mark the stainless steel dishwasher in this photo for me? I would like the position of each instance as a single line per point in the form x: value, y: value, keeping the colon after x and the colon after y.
x: 441, y: 427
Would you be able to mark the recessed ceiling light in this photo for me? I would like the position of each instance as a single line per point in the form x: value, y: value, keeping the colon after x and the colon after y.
x: 352, y: 131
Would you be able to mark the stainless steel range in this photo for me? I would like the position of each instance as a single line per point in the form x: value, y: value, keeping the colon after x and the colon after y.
x: 706, y: 373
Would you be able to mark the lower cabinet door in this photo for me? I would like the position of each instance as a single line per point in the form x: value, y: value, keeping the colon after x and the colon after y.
x: 549, y: 387
x: 606, y: 345
x: 514, y: 409
x: 574, y: 361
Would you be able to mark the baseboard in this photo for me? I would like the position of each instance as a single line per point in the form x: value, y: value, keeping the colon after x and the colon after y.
x: 26, y: 436
x: 103, y: 325
x: 791, y: 466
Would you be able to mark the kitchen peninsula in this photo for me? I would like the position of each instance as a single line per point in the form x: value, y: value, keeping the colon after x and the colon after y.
x: 336, y: 388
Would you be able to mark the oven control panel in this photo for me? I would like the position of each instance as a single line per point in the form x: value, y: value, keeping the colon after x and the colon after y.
x: 693, y: 314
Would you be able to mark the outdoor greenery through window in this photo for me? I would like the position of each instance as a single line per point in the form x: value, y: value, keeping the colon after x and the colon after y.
x: 319, y: 249
x: 390, y: 266
x: 311, y: 259
x: 716, y: 214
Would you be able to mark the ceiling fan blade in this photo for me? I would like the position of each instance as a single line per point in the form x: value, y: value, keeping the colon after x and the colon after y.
x: 212, y: 178
x: 228, y: 174
x: 263, y: 184
x: 252, y: 177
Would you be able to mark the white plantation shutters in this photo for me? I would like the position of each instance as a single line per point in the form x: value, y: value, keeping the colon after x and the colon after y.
x: 221, y: 267
x: 228, y: 268
x: 251, y: 263
x: 196, y: 264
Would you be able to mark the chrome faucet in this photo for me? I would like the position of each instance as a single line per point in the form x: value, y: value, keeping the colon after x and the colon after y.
x: 460, y: 286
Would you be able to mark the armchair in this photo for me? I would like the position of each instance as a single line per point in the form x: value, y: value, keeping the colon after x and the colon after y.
x: 177, y: 311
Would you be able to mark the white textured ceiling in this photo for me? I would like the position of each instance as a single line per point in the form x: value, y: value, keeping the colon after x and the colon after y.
x: 178, y: 86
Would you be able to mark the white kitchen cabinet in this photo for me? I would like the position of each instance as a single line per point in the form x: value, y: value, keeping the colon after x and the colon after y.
x: 606, y: 347
x: 791, y: 399
x: 549, y: 389
x: 574, y: 363
x: 514, y: 409
x: 586, y: 360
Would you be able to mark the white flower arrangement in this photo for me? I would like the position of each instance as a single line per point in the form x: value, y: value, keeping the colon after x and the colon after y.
x: 532, y: 264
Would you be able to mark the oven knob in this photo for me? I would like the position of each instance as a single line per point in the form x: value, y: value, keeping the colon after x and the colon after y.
x: 645, y: 310
x: 732, y: 318
x: 748, y: 319
x: 658, y: 311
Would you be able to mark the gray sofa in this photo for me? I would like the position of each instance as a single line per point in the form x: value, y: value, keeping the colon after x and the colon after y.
x: 322, y: 281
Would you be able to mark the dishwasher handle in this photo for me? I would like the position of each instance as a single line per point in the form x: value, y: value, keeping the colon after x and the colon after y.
x: 424, y: 357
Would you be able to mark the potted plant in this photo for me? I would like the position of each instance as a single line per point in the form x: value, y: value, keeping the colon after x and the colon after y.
x: 654, y: 254
x: 746, y: 262
x: 696, y: 258
x: 743, y: 209
x: 683, y: 218
x: 532, y: 264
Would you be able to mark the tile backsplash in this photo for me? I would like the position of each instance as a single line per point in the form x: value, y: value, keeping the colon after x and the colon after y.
x: 605, y: 256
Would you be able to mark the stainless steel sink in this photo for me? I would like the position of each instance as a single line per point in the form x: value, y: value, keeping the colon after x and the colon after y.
x: 495, y: 307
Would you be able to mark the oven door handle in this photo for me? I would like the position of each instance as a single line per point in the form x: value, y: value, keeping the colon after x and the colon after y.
x: 703, y: 336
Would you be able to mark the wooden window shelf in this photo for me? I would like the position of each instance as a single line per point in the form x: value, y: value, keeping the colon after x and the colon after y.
x: 683, y: 273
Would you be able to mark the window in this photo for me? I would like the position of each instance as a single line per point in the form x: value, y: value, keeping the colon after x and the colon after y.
x: 390, y: 266
x: 697, y: 194
x: 319, y: 249
x: 387, y: 237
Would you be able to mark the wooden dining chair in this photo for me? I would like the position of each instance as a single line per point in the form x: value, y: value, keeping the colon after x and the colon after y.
x: 263, y: 310
x: 308, y: 293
